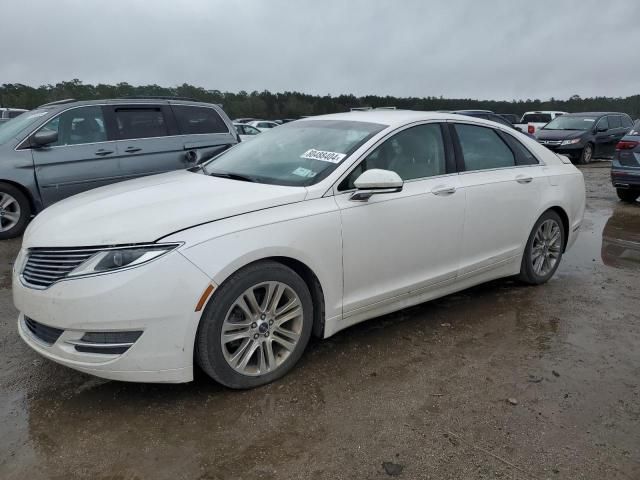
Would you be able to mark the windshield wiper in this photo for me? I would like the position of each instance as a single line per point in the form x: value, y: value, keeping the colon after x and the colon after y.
x: 232, y: 176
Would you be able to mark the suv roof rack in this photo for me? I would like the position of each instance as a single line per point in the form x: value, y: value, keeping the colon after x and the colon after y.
x: 158, y: 97
x: 58, y: 102
x: 367, y: 109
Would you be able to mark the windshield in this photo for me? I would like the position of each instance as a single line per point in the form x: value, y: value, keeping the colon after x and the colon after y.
x: 573, y: 122
x: 14, y: 126
x: 297, y: 154
x: 536, y: 118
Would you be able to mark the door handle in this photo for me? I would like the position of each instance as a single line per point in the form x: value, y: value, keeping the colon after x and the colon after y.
x: 102, y: 152
x: 132, y: 149
x: 523, y: 179
x: 443, y: 190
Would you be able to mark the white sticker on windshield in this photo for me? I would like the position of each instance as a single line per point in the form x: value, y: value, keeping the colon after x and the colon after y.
x: 331, y: 157
x: 589, y: 119
x: 304, y: 172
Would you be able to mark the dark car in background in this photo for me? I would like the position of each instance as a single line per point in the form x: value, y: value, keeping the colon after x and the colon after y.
x: 64, y: 148
x: 625, y: 167
x: 584, y: 136
x: 512, y: 118
x: 489, y: 115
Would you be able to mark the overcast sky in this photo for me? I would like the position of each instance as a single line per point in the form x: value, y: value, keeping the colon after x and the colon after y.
x: 485, y: 49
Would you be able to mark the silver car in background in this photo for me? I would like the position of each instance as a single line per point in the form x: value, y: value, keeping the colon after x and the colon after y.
x: 63, y: 148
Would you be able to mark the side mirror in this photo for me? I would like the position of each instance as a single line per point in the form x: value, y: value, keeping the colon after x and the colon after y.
x: 376, y: 181
x: 44, y: 137
x: 601, y: 129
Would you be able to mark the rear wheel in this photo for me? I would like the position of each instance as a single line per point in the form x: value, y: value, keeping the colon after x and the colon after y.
x: 256, y: 326
x: 15, y: 211
x: 587, y: 154
x: 543, y: 252
x: 627, y: 194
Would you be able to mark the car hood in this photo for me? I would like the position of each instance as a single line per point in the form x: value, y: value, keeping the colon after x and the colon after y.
x: 543, y: 134
x: 146, y: 209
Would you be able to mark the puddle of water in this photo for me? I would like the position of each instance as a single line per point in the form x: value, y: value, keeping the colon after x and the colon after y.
x: 621, y: 239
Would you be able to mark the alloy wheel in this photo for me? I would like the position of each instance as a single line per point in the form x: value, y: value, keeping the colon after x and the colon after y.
x: 546, y: 248
x: 588, y: 153
x: 262, y: 328
x: 9, y: 212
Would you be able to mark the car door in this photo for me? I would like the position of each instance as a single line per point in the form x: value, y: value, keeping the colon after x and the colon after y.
x: 502, y: 181
x: 617, y: 130
x: 83, y: 157
x: 603, y: 138
x: 148, y: 140
x: 402, y: 243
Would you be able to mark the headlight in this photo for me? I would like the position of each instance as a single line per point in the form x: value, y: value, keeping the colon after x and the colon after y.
x: 121, y: 257
x: 571, y: 142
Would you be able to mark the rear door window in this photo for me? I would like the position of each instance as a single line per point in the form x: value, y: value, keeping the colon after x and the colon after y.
x: 483, y: 149
x: 615, y: 121
x: 140, y: 122
x: 194, y: 120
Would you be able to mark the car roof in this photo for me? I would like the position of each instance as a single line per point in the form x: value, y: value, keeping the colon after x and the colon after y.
x: 62, y: 104
x: 392, y: 117
x: 593, y: 114
x: 462, y: 112
x: 545, y: 111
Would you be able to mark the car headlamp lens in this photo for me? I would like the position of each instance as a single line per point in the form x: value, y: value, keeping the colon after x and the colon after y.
x: 571, y: 142
x: 117, y: 258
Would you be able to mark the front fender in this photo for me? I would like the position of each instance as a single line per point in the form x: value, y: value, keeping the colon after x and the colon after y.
x: 309, y: 232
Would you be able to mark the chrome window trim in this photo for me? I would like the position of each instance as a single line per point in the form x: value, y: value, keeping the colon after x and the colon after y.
x: 19, y: 146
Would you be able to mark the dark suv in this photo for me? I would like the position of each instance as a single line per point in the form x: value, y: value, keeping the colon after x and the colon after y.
x: 67, y: 147
x: 625, y: 167
x: 584, y: 136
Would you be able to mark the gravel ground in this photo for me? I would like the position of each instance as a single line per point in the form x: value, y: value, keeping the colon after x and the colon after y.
x: 500, y: 381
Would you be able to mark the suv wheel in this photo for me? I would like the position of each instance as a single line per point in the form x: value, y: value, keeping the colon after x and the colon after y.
x: 15, y: 211
x: 627, y: 194
x: 587, y: 154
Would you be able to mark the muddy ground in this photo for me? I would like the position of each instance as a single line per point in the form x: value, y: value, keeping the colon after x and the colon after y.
x: 426, y: 389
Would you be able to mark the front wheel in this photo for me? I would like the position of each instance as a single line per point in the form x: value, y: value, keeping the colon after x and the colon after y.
x: 627, y: 195
x: 543, y: 252
x: 256, y: 326
x: 15, y: 211
x: 587, y: 154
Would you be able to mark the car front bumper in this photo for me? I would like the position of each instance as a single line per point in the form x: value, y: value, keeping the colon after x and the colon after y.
x: 158, y: 299
x: 573, y: 151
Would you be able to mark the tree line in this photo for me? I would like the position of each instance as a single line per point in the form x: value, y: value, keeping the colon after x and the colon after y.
x: 269, y: 105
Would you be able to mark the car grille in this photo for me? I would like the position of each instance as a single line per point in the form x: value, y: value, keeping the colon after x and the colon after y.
x: 550, y: 143
x: 46, y: 266
x: 48, y: 335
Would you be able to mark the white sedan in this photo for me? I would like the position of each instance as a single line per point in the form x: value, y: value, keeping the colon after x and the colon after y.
x: 307, y: 229
x: 246, y: 132
x: 264, y: 125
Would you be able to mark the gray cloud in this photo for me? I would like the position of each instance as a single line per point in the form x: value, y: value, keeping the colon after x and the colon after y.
x: 499, y: 49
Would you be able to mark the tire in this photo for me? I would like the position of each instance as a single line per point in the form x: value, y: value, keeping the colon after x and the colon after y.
x: 224, y: 359
x: 627, y: 195
x: 587, y: 154
x: 15, y: 211
x: 549, y: 242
